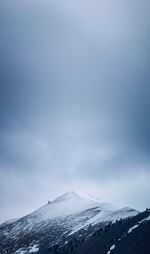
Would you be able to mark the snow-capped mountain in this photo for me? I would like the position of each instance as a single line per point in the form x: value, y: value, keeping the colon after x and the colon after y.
x: 56, y: 222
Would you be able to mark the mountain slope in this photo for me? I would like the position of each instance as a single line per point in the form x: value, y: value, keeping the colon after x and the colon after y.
x: 57, y: 222
x: 130, y: 235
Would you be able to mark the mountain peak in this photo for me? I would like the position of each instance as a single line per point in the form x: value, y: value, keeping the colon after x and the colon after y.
x: 78, y: 197
x: 71, y: 195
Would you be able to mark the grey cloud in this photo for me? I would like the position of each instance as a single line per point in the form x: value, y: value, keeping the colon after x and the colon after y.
x: 74, y: 97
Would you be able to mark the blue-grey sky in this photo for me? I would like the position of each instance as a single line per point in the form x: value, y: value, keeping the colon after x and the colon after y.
x: 74, y: 102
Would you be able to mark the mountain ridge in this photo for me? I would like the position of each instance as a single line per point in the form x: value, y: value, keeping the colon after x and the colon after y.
x: 57, y: 222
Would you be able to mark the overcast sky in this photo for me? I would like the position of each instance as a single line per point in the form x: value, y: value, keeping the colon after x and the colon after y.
x: 74, y: 102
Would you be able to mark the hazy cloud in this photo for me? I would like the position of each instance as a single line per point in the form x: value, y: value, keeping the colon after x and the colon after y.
x: 74, y: 101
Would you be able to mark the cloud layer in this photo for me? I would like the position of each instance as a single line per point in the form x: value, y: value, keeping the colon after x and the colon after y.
x: 74, y: 102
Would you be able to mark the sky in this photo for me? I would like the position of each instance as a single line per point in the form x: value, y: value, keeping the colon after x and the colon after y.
x: 74, y: 102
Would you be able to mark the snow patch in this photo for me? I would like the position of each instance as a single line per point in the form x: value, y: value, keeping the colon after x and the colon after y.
x: 136, y: 226
x: 146, y: 219
x: 34, y: 248
x: 30, y: 249
x: 111, y: 248
x: 21, y: 251
x: 132, y: 228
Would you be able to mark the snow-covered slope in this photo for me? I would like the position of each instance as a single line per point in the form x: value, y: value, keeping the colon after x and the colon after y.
x: 69, y: 203
x: 58, y: 220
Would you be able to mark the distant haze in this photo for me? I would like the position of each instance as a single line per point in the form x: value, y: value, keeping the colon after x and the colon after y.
x: 74, y: 102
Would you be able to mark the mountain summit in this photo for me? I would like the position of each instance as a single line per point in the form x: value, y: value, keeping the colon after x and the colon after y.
x: 71, y: 203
